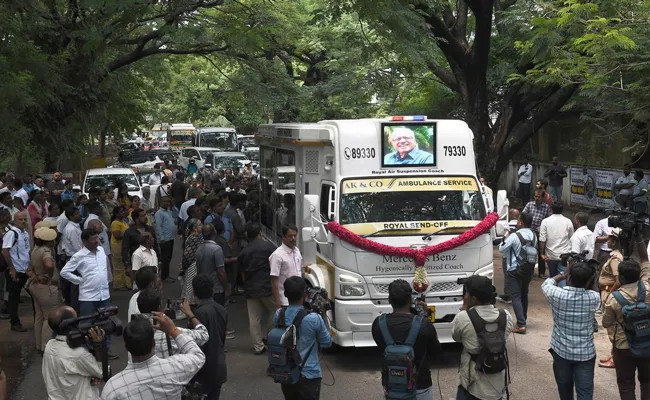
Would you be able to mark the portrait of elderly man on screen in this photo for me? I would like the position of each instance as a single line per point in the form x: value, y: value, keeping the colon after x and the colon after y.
x: 406, y: 149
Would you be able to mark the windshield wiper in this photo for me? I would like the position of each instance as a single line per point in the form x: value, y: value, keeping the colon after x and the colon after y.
x: 389, y: 229
x: 428, y: 235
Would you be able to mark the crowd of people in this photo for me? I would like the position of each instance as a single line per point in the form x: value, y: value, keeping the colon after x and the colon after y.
x: 71, y: 252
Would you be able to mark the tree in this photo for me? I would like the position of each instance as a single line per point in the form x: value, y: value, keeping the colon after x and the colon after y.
x: 469, y: 45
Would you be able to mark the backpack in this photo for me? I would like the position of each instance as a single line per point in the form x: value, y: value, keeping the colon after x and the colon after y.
x: 399, y: 372
x: 492, y: 357
x: 285, y: 363
x: 4, y: 264
x: 527, y: 257
x: 636, y: 322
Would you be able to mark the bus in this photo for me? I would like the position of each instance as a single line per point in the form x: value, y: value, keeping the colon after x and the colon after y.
x: 180, y: 135
x: 219, y: 137
x: 407, y: 182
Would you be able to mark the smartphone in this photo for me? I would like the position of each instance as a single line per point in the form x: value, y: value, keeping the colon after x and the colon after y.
x: 174, y: 309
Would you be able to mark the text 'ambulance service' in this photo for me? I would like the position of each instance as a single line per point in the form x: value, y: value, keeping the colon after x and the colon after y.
x: 405, y: 182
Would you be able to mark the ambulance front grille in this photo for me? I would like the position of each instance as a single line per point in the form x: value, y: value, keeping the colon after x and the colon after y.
x: 311, y: 162
x: 439, y: 287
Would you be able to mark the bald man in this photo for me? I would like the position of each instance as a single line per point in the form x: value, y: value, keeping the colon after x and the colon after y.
x: 71, y: 373
x: 402, y: 139
x: 144, y: 256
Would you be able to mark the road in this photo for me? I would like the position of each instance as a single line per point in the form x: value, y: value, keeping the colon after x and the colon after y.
x: 349, y: 373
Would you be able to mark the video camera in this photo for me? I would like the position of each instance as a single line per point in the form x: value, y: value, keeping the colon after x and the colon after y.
x: 631, y: 224
x: 317, y: 300
x: 78, y: 328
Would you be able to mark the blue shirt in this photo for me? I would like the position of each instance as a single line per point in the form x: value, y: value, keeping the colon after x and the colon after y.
x: 192, y: 168
x: 29, y: 188
x: 312, y: 332
x: 415, y: 156
x: 165, y: 225
x: 227, y: 224
x: 18, y: 244
x: 512, y: 246
x: 67, y: 195
x: 573, y: 317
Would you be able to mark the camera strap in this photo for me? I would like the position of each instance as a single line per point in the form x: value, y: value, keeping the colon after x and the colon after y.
x: 169, y: 345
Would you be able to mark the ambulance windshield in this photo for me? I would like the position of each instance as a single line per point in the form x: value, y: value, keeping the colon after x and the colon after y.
x: 422, y: 204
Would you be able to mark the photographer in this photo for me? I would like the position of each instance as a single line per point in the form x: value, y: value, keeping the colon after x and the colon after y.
x: 478, y: 300
x: 519, y: 267
x: 150, y: 377
x: 149, y: 303
x: 313, y: 334
x: 572, y: 341
x: 398, y: 324
x: 71, y: 373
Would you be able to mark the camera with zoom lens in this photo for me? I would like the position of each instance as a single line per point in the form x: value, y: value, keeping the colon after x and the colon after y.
x: 317, y: 300
x: 78, y: 329
x: 629, y: 222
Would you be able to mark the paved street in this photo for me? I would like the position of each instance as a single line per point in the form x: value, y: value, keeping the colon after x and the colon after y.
x: 350, y: 373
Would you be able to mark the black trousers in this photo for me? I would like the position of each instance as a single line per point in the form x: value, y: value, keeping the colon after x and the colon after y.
x: 523, y: 192
x: 220, y: 298
x: 167, y: 251
x: 626, y: 369
x: 305, y: 389
x: 14, y: 288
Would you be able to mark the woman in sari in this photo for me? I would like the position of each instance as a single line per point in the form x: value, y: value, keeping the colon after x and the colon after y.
x: 188, y: 266
x: 119, y: 225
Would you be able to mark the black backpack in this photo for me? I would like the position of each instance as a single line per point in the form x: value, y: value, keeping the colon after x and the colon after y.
x: 493, y: 356
x: 285, y: 363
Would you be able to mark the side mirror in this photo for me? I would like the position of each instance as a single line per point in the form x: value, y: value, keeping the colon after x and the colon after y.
x: 502, y: 204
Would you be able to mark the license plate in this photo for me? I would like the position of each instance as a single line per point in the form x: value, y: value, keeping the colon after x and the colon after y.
x: 432, y: 316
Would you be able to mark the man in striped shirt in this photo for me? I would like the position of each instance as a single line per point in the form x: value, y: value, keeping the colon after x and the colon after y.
x: 572, y: 341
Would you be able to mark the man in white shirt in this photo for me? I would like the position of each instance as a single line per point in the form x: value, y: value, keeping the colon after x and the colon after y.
x: 145, y: 255
x: 156, y: 177
x: 195, y: 193
x: 21, y: 193
x: 554, y: 238
x: 583, y: 239
x: 71, y: 374
x: 70, y: 244
x: 286, y: 261
x: 149, y: 377
x: 625, y: 187
x: 16, y: 252
x: 602, y: 232
x: 99, y: 228
x: 90, y: 264
x: 525, y: 174
x: 145, y: 278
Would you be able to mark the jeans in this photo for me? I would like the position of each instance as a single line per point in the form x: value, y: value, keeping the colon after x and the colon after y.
x: 424, y: 394
x: 14, y: 288
x: 626, y: 367
x: 517, y: 289
x: 574, y: 373
x: 556, y: 193
x: 553, y: 267
x: 89, y: 307
x: 305, y: 389
x: 167, y: 251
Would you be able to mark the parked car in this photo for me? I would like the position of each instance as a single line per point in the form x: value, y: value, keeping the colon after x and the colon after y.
x: 108, y: 178
x: 200, y: 153
x: 223, y: 160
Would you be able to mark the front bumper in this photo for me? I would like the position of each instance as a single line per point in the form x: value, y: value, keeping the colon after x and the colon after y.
x: 354, y: 320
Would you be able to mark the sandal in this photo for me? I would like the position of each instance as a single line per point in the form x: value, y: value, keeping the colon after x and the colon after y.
x: 606, y: 359
x: 607, y: 364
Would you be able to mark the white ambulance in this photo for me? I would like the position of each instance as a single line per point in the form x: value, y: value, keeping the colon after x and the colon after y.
x: 402, y: 181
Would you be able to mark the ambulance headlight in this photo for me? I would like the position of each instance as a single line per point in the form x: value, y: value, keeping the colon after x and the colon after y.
x: 351, y: 286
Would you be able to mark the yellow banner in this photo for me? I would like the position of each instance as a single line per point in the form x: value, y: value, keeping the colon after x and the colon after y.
x: 411, y: 227
x: 415, y: 184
